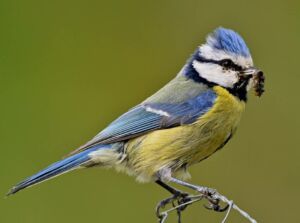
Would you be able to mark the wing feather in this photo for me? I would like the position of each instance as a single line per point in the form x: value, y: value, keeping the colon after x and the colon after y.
x: 148, y: 117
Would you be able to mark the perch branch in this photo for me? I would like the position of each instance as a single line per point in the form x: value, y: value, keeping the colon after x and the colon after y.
x: 213, y: 197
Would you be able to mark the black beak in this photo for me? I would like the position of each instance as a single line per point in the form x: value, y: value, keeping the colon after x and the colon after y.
x: 252, y: 71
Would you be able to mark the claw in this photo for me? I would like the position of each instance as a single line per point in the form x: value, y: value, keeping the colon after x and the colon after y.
x: 219, y: 209
x: 183, y: 200
x: 162, y: 204
x: 208, y: 191
x: 175, y: 200
x: 216, y: 207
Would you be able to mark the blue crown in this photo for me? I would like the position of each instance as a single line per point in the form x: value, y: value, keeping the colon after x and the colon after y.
x: 228, y: 40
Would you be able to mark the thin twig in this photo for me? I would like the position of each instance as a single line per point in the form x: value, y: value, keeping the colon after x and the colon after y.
x: 228, y: 212
x: 216, y: 196
x: 234, y: 206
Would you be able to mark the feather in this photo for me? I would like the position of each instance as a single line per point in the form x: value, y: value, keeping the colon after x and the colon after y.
x: 150, y: 116
x: 58, y: 168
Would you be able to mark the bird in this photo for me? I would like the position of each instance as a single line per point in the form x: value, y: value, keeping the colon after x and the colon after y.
x: 186, y: 121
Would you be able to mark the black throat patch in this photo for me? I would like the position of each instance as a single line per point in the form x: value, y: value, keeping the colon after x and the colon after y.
x: 240, y: 88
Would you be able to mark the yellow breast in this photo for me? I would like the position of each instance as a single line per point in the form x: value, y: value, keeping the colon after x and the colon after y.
x: 178, y: 147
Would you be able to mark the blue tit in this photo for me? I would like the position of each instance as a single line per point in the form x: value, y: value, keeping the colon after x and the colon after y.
x: 185, y: 122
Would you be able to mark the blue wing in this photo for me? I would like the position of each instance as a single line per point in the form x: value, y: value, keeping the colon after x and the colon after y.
x: 148, y: 117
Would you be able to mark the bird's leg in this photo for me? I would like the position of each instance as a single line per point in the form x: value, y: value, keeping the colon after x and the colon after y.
x: 172, y: 190
x: 208, y: 193
x: 177, y: 195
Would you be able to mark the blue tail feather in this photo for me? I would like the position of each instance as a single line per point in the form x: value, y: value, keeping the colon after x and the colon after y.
x: 60, y: 167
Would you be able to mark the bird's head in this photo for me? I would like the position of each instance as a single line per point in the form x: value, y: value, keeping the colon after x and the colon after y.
x: 225, y: 60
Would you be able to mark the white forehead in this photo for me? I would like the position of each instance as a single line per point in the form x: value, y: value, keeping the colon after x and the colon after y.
x: 209, y: 52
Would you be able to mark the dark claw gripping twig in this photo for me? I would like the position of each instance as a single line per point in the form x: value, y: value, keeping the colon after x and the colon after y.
x: 178, y: 201
x: 215, y: 206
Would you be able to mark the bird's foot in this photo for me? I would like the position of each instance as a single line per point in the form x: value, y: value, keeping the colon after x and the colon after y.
x: 179, y: 201
x: 214, y: 203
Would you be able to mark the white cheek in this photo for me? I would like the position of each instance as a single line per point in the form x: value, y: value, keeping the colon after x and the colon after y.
x: 215, y: 74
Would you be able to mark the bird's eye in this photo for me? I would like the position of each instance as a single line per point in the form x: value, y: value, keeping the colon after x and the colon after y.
x: 227, y: 63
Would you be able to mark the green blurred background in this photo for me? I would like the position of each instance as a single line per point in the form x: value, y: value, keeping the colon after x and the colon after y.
x: 68, y: 68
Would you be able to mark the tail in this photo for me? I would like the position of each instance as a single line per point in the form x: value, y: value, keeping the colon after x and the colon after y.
x: 63, y: 166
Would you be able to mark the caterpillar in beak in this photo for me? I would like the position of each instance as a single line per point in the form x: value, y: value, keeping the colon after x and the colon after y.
x: 259, y: 83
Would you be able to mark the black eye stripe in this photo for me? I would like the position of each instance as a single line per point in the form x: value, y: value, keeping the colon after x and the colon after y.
x: 229, y: 64
x: 226, y: 63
